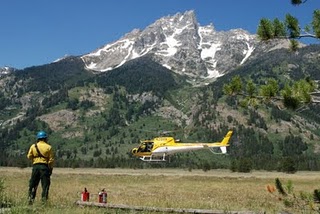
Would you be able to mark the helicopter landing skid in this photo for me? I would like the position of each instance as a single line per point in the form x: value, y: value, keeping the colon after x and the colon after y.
x: 151, y: 159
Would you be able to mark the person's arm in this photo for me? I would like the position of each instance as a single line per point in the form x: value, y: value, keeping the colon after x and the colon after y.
x: 30, y: 155
x: 50, y: 158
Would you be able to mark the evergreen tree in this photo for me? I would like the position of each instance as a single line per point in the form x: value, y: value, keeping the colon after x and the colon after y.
x: 289, y: 28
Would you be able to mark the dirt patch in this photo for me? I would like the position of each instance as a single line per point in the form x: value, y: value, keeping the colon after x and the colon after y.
x: 226, y: 111
x: 60, y: 119
x: 95, y: 95
x: 72, y: 134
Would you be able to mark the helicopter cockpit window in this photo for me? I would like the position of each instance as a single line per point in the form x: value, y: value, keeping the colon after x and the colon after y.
x: 142, y: 147
x: 145, y: 147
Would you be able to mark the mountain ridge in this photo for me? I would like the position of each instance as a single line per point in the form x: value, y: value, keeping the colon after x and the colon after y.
x: 180, y: 44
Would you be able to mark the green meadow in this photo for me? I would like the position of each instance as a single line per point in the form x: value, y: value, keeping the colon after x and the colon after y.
x: 217, y: 190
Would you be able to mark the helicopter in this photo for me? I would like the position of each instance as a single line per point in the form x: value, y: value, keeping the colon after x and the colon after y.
x: 159, y: 148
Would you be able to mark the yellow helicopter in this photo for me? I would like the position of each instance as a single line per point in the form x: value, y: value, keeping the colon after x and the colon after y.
x: 159, y: 148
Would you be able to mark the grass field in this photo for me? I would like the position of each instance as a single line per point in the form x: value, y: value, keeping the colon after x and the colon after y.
x: 164, y: 188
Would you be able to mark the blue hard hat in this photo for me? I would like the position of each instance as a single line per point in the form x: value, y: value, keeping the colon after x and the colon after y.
x: 41, y: 135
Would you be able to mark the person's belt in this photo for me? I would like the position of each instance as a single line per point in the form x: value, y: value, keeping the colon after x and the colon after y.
x: 45, y: 164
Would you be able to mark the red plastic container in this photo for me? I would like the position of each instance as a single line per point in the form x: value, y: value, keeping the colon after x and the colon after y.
x: 103, y: 196
x: 85, y: 195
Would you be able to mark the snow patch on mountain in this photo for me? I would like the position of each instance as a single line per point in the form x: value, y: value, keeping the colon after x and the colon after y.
x: 180, y: 44
x: 6, y: 70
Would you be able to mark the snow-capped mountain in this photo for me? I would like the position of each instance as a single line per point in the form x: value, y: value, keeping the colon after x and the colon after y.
x: 6, y: 70
x: 179, y: 43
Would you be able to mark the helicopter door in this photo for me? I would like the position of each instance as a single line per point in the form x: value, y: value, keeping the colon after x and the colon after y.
x: 149, y: 146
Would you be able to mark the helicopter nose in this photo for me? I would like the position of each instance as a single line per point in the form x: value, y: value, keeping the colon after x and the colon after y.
x: 134, y: 150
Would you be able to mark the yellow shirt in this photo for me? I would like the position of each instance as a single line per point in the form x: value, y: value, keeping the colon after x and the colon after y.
x: 45, y: 149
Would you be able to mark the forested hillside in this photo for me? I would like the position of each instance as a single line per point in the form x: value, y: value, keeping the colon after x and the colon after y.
x: 94, y: 120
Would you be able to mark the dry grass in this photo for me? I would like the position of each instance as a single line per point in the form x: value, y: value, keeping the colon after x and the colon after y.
x: 171, y: 188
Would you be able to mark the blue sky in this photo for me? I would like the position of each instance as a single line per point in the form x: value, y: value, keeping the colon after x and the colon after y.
x: 36, y: 32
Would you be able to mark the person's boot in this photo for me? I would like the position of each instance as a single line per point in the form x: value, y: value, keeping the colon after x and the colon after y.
x: 30, y: 201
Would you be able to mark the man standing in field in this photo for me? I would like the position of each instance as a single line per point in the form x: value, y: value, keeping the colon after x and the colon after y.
x: 42, y: 158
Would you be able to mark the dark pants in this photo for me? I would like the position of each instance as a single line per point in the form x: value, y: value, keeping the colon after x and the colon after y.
x: 39, y: 172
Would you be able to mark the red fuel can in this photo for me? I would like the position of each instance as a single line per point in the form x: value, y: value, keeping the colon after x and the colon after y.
x: 85, y: 195
x: 103, y: 196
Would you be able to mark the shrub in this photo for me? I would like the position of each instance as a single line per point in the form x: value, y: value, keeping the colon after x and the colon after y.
x: 4, y: 202
x: 301, y: 202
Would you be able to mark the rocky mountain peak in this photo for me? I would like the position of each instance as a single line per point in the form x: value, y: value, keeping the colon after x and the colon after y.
x: 179, y: 20
x: 180, y: 44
